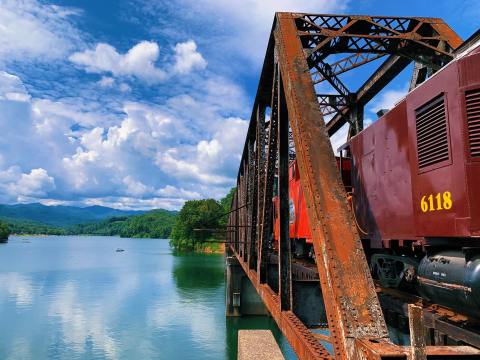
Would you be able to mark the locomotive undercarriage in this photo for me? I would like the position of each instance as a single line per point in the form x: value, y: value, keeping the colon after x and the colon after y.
x: 445, y: 325
x: 436, y: 273
x: 446, y: 276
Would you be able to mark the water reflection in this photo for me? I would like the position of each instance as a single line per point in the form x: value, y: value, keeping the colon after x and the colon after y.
x: 194, y: 271
x: 17, y: 288
x: 76, y: 298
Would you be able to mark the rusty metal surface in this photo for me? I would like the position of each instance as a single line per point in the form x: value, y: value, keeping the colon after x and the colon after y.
x: 288, y: 111
x: 302, y: 340
x: 442, y: 323
x: 352, y: 307
x: 417, y: 332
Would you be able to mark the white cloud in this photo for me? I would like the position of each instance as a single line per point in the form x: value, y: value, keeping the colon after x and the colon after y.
x: 36, y: 183
x: 30, y: 29
x: 243, y: 26
x: 12, y: 88
x: 124, y: 87
x: 136, y: 188
x: 140, y: 62
x: 339, y: 138
x: 187, y: 58
x: 106, y: 81
x: 17, y: 186
x: 388, y: 98
x: 209, y: 161
x: 147, y: 156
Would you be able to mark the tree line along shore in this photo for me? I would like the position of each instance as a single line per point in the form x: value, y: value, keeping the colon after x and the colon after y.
x: 189, y: 229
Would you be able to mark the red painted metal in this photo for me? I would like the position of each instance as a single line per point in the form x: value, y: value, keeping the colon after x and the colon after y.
x: 388, y: 185
x: 299, y: 223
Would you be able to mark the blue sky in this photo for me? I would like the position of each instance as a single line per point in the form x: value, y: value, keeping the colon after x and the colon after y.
x: 144, y: 104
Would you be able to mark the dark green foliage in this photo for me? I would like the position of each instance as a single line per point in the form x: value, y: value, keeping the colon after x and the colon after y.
x: 17, y: 226
x: 226, y: 203
x: 60, y: 216
x: 155, y: 224
x: 159, y: 224
x: 199, y: 214
x: 4, y: 231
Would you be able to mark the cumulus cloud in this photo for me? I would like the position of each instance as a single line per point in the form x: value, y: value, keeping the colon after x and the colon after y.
x: 147, y: 156
x: 12, y: 88
x: 140, y: 61
x: 30, y: 29
x: 18, y: 186
x: 246, y: 32
x: 210, y: 160
x: 187, y: 58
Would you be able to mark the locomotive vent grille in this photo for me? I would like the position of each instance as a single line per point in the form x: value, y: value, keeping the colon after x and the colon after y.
x: 432, y: 139
x: 472, y: 101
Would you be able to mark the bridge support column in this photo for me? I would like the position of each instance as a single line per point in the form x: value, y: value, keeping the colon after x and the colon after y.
x: 240, y: 296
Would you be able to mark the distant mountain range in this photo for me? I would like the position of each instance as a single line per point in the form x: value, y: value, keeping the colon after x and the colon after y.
x: 60, y: 216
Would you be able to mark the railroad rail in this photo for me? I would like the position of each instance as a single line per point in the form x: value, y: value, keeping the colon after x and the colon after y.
x: 289, y: 118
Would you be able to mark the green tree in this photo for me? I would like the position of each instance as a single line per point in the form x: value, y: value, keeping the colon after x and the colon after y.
x: 196, y: 214
x: 4, y: 231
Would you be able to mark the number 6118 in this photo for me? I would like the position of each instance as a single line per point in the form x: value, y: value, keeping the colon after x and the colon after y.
x: 440, y: 201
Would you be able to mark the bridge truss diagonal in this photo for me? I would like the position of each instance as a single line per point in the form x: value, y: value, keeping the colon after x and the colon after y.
x: 293, y: 118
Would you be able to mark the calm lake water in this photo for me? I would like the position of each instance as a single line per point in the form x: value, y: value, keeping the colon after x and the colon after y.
x: 77, y: 298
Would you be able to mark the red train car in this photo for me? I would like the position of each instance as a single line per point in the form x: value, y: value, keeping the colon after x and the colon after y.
x: 299, y: 223
x: 414, y: 177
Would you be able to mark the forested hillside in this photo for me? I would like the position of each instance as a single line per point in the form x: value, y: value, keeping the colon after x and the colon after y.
x: 187, y: 229
x: 59, y: 216
x: 153, y: 224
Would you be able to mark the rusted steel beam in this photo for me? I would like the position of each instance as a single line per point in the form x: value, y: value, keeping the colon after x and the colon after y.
x: 376, y: 30
x: 381, y: 350
x: 440, y: 319
x: 375, y: 83
x: 348, y: 63
x: 269, y: 178
x: 300, y: 338
x: 351, y: 303
x: 234, y: 217
x: 417, y: 332
x: 284, y: 251
x: 260, y: 152
x: 329, y: 76
x: 253, y: 205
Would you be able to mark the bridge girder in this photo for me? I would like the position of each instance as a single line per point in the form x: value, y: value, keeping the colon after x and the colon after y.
x: 287, y: 107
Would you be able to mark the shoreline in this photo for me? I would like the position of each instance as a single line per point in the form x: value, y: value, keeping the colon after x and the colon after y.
x: 205, y: 248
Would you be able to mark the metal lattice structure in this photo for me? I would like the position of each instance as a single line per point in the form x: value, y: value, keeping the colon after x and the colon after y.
x: 288, y: 107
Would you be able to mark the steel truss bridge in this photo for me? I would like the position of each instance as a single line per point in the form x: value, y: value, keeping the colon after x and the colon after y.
x: 294, y: 115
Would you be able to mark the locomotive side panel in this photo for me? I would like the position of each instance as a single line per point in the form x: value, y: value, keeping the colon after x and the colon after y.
x: 437, y: 153
x: 382, y: 196
x: 469, y: 71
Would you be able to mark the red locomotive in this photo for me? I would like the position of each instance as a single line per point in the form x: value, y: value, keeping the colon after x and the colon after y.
x: 413, y: 180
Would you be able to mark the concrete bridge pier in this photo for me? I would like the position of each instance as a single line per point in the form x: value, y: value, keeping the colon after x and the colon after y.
x: 241, y: 298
